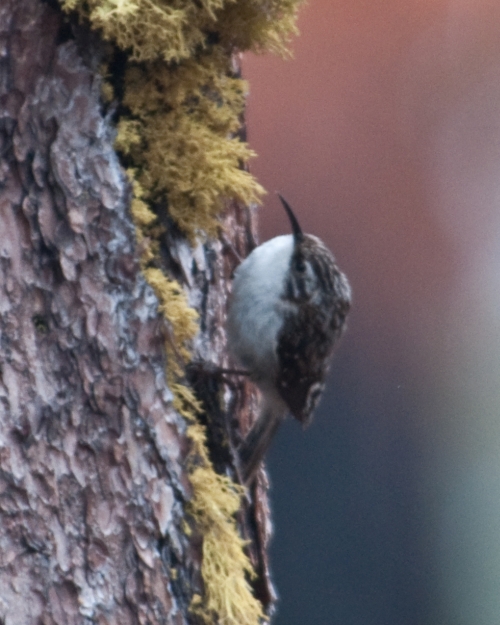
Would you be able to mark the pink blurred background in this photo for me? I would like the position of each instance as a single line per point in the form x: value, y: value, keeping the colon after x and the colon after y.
x: 383, y: 133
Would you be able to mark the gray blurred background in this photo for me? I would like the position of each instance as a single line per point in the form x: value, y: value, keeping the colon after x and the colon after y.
x: 384, y: 134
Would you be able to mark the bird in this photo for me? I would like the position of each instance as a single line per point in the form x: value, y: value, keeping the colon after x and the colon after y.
x: 286, y: 311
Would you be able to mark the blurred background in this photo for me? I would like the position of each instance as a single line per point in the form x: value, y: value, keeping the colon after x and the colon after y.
x: 383, y: 133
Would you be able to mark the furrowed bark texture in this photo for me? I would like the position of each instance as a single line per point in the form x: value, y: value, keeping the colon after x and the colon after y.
x: 92, y: 475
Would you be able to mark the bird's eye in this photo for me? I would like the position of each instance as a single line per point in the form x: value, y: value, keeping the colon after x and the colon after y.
x: 300, y: 265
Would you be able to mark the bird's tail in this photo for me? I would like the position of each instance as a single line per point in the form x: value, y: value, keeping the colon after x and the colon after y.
x: 255, y: 445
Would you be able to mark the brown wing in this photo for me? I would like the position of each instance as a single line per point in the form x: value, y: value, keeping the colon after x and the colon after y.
x: 304, y: 347
x: 309, y: 332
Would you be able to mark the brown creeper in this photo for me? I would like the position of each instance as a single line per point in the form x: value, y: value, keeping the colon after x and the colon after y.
x: 287, y: 309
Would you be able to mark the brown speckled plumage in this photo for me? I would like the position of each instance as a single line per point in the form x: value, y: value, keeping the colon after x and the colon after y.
x: 308, y: 336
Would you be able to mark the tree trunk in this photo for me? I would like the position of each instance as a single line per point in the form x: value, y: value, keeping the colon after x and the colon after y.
x: 93, y: 481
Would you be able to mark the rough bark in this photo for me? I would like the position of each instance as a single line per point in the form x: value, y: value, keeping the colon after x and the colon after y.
x: 92, y: 476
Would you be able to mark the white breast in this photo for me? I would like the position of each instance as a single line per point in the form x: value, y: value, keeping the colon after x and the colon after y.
x: 256, y: 309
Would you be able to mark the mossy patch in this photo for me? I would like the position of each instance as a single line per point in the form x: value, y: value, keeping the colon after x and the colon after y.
x: 225, y: 569
x: 184, y: 98
x: 180, y: 137
x: 175, y: 30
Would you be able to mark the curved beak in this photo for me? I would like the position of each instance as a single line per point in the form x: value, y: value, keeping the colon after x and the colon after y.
x: 296, y: 229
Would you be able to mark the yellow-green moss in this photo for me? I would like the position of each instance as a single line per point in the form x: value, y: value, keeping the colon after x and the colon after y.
x: 225, y: 568
x: 174, y: 306
x: 184, y: 100
x: 215, y: 502
x: 179, y: 140
x: 177, y: 29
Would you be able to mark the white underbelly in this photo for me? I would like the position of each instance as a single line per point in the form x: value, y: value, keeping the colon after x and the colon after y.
x: 257, y: 310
